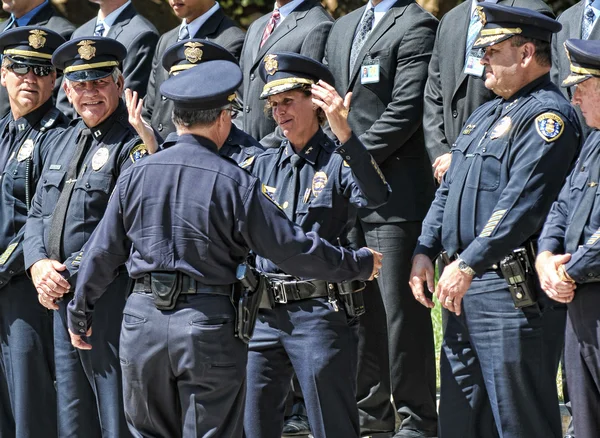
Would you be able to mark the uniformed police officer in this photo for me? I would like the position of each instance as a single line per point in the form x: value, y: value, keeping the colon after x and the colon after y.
x: 319, y: 184
x: 28, y: 398
x: 182, y: 56
x: 70, y: 201
x: 499, y: 361
x: 184, y: 371
x: 569, y: 259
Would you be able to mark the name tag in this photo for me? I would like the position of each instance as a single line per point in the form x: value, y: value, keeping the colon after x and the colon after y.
x: 369, y: 72
x: 473, y: 66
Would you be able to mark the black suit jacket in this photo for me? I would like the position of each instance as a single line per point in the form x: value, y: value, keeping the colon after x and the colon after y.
x: 139, y: 37
x: 219, y: 29
x: 49, y: 18
x: 387, y: 115
x: 571, y: 20
x: 303, y: 31
x: 450, y: 95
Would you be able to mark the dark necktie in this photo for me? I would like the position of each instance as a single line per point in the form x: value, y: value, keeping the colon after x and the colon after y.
x: 275, y: 16
x: 59, y: 216
x: 99, y: 30
x: 584, y: 209
x: 6, y: 144
x: 364, y: 30
x: 290, y: 188
x: 184, y: 33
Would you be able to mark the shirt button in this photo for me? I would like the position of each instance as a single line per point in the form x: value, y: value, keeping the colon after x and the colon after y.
x: 15, y: 172
x: 81, y: 331
x: 87, y: 185
x: 483, y: 150
x: 247, y: 108
x: 454, y: 114
x: 252, y: 77
x: 1, y: 282
x: 163, y: 98
x: 80, y: 323
x: 160, y: 126
x: 11, y: 272
x: 348, y: 157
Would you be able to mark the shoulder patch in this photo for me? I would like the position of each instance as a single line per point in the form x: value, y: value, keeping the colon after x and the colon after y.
x: 550, y: 126
x: 247, y: 162
x: 138, y: 152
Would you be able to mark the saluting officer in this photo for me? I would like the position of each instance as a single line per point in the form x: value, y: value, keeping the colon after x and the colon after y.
x: 28, y: 397
x: 319, y: 184
x: 184, y: 371
x: 182, y: 56
x: 501, y: 352
x: 70, y: 201
x: 569, y: 250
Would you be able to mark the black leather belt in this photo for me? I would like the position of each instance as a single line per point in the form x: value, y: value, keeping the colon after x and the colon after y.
x: 284, y: 291
x: 189, y: 286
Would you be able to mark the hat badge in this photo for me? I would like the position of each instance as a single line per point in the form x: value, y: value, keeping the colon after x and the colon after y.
x: 271, y: 64
x: 86, y: 50
x: 481, y: 15
x: 193, y: 53
x: 37, y: 39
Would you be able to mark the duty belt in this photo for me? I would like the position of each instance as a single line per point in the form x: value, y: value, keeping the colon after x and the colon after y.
x: 284, y: 291
x: 189, y: 286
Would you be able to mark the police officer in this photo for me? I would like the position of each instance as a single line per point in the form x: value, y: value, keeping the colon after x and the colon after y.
x: 28, y: 398
x: 182, y: 56
x: 319, y: 184
x: 69, y: 203
x: 501, y: 351
x: 569, y: 260
x: 184, y: 371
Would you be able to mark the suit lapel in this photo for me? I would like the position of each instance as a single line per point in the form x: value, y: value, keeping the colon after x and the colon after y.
x: 459, y: 60
x: 254, y: 40
x: 122, y: 20
x: 208, y: 29
x: 42, y: 16
x: 347, y: 40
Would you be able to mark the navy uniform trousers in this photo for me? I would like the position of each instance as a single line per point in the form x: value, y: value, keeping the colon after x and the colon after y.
x: 509, y: 355
x: 89, y: 381
x: 184, y: 372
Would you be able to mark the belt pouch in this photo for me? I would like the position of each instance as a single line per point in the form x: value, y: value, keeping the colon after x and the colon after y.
x: 166, y: 287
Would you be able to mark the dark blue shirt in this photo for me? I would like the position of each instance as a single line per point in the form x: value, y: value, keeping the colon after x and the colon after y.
x: 202, y: 220
x: 26, y: 157
x: 508, y: 166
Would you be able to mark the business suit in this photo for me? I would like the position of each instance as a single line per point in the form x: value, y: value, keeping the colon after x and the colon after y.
x: 46, y: 17
x: 450, y: 95
x: 139, y: 37
x: 218, y: 28
x: 387, y: 116
x: 303, y: 31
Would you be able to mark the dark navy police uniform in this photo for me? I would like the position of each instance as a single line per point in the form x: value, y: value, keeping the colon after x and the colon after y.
x: 27, y: 395
x: 499, y: 363
x: 184, y: 371
x: 88, y: 382
x: 319, y: 188
x: 573, y: 227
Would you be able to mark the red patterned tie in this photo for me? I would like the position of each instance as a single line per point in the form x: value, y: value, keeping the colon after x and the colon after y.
x: 270, y: 26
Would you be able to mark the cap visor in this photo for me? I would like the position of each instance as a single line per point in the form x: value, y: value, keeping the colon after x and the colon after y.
x: 574, y: 79
x: 270, y: 91
x: 88, y: 75
x: 29, y: 60
x: 490, y: 40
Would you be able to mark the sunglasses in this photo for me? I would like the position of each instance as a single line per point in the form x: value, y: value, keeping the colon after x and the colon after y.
x: 23, y: 69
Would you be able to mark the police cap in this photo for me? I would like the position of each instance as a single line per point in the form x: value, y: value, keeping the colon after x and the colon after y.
x: 501, y: 22
x: 584, y: 57
x: 89, y: 58
x: 189, y: 53
x: 209, y: 85
x: 285, y: 71
x: 32, y: 45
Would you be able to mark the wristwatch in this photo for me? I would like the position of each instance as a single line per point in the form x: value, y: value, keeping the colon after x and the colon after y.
x: 463, y: 267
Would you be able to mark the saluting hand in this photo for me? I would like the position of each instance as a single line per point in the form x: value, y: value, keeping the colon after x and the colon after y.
x: 554, y: 279
x: 48, y: 282
x: 336, y: 109
x: 422, y: 273
x: 143, y: 128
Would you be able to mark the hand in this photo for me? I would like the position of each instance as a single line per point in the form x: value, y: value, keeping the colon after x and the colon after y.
x: 377, y: 257
x: 554, y: 279
x: 48, y: 282
x: 452, y: 287
x: 441, y: 165
x: 336, y: 109
x: 143, y: 128
x: 422, y: 272
x: 78, y: 342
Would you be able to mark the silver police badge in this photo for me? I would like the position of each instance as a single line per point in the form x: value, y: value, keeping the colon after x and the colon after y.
x: 318, y: 183
x: 100, y: 158
x: 501, y: 128
x: 26, y: 150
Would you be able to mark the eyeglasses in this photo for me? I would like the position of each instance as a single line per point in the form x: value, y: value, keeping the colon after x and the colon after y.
x: 233, y: 112
x: 23, y: 69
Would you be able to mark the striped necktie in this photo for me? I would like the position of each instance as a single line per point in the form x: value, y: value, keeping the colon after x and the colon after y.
x: 588, y: 21
x: 99, y: 29
x: 275, y: 16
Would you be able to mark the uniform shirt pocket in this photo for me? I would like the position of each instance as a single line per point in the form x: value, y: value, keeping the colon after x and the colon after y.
x: 490, y: 172
x: 92, y: 191
x: 51, y: 182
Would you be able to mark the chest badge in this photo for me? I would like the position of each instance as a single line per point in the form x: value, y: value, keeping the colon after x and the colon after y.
x: 26, y: 150
x: 100, y: 158
x: 549, y: 126
x: 319, y: 182
x: 501, y: 128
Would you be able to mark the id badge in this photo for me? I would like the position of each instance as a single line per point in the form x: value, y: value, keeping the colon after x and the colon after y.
x: 473, y: 66
x: 369, y: 72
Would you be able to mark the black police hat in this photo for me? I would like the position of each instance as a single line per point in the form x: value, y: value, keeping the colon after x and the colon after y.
x: 209, y: 85
x: 189, y: 53
x: 285, y: 71
x: 89, y: 58
x: 584, y: 57
x: 30, y: 44
x: 503, y: 22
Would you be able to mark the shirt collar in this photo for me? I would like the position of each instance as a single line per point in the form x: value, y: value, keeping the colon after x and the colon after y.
x: 309, y: 152
x: 99, y: 131
x: 530, y: 87
x: 25, y: 19
x: 380, y: 10
x: 110, y: 19
x: 286, y: 10
x: 195, y: 25
x: 31, y: 119
x: 595, y: 4
x: 201, y: 141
